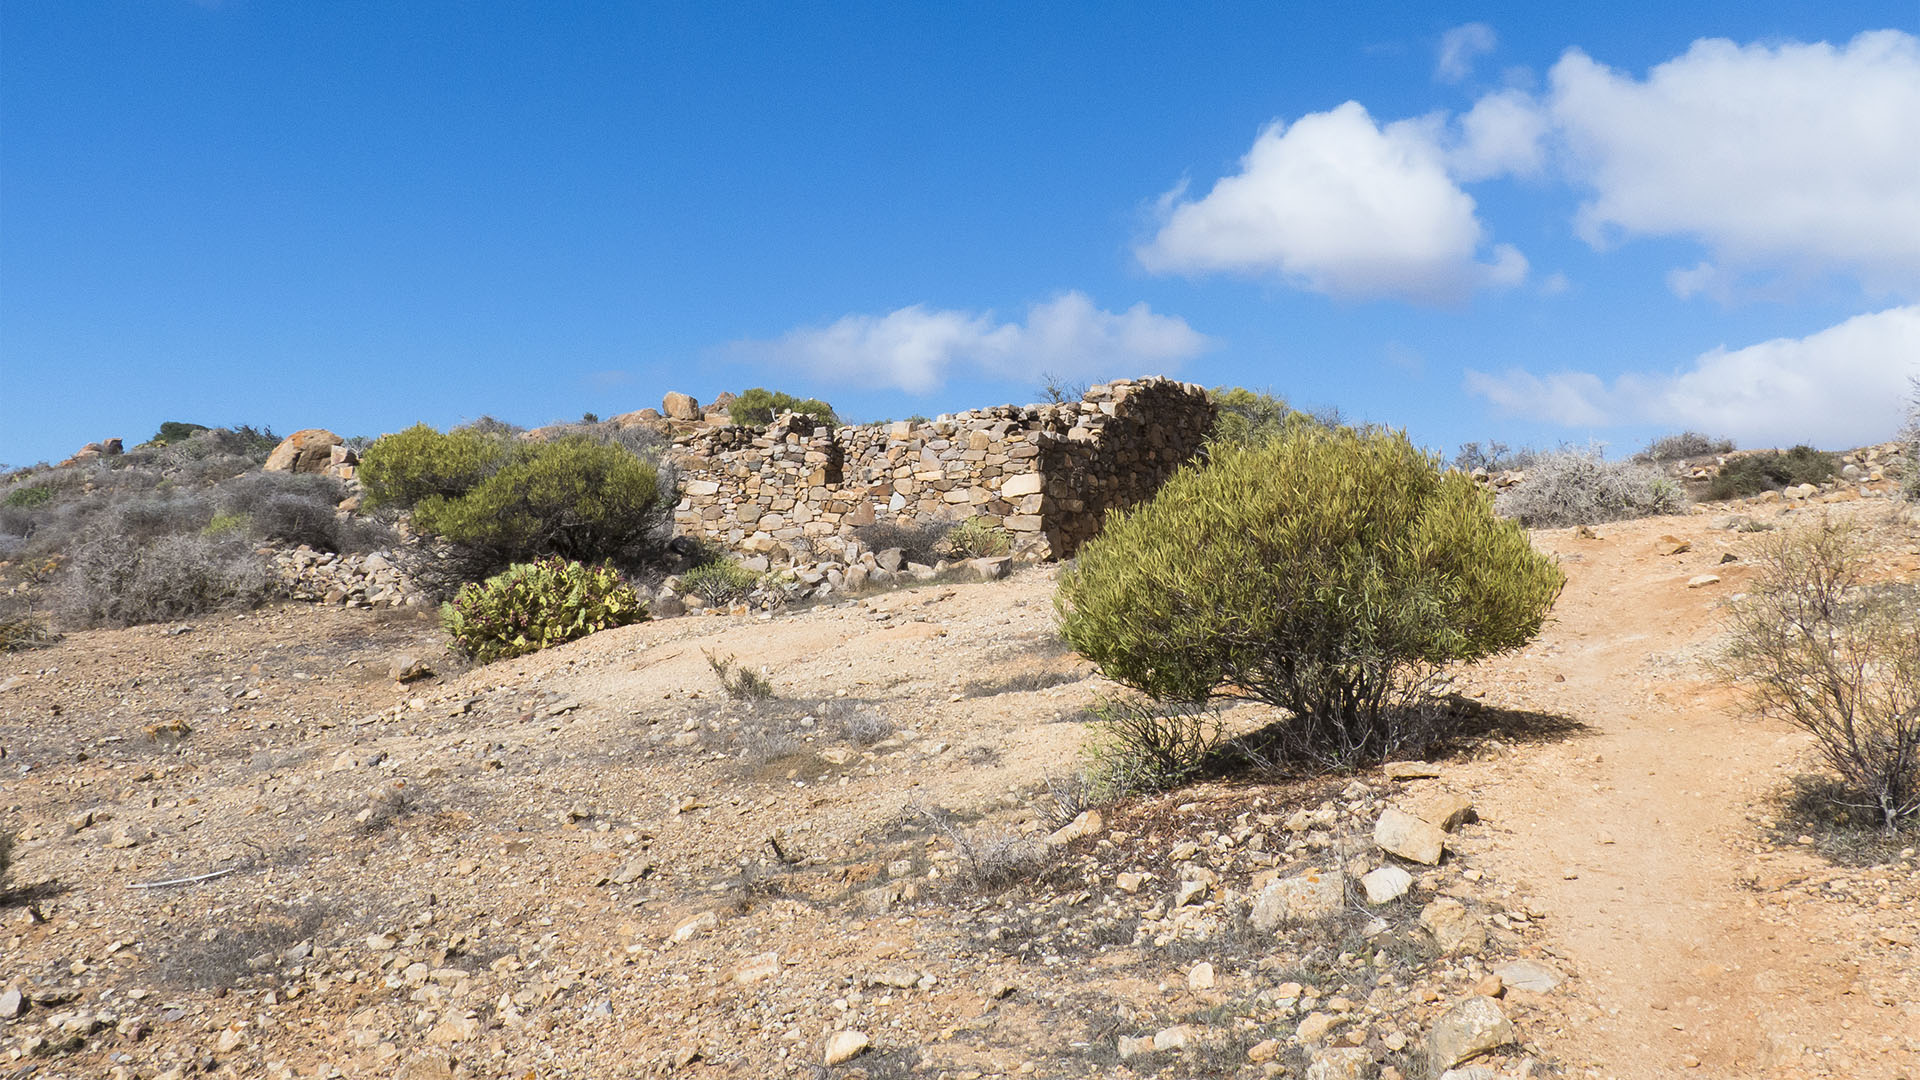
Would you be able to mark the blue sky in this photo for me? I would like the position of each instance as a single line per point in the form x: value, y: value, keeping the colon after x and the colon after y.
x: 1533, y: 225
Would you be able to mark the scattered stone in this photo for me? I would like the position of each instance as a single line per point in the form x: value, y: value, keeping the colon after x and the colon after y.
x: 704, y: 921
x: 12, y: 1003
x: 1265, y: 1050
x: 1469, y: 1029
x: 1702, y: 580
x: 1490, y: 986
x: 1134, y: 1045
x: 1178, y: 1037
x: 844, y: 1046
x: 754, y: 969
x: 1129, y: 882
x: 1087, y: 824
x: 1454, y: 929
x: 1200, y: 976
x: 1400, y: 833
x: 1530, y: 975
x: 680, y: 406
x: 1342, y: 1063
x: 1386, y: 884
x: 632, y: 870
x: 1301, y: 898
x: 407, y: 667
x: 1411, y: 770
x: 1192, y: 891
x: 122, y: 837
x: 1315, y: 1027
x: 1445, y: 809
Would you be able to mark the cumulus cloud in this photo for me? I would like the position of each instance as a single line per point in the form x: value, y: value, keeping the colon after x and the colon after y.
x: 1790, y: 159
x: 1338, y: 205
x: 1459, y: 48
x: 1841, y: 386
x: 915, y: 347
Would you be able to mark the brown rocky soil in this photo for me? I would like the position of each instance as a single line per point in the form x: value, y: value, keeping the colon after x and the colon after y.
x: 593, y: 863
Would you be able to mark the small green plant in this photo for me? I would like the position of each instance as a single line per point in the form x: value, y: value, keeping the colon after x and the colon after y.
x: 1771, y: 470
x: 26, y: 498
x: 1327, y: 571
x: 1140, y: 746
x: 532, y: 606
x: 228, y: 525
x: 1816, y: 645
x: 977, y: 538
x: 24, y: 630
x: 757, y: 408
x: 741, y: 683
x: 719, y: 582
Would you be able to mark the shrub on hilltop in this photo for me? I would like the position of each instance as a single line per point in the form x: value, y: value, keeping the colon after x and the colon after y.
x: 1771, y: 470
x: 1571, y: 486
x: 1327, y: 571
x: 1687, y: 444
x: 533, y: 606
x: 757, y: 408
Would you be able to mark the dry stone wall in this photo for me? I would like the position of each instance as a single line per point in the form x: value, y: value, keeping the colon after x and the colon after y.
x: 1045, y: 473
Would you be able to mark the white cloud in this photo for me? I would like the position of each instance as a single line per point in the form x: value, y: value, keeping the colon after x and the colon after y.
x: 1796, y: 158
x: 1459, y: 48
x: 913, y: 348
x: 1503, y: 134
x: 1337, y: 205
x: 1840, y: 387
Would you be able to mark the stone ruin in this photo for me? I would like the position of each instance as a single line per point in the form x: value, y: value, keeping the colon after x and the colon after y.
x: 1045, y: 473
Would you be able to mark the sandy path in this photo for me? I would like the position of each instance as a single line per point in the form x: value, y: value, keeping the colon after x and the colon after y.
x: 1638, y: 836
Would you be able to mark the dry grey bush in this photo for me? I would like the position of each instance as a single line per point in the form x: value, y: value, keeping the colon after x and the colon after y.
x: 1816, y: 645
x: 112, y: 582
x: 239, y: 946
x: 1571, y: 486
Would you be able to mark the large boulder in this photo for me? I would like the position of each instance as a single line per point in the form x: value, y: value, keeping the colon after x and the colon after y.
x: 309, y: 450
x: 680, y: 406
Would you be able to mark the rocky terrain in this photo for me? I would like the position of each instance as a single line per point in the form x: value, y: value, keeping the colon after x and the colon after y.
x: 309, y: 842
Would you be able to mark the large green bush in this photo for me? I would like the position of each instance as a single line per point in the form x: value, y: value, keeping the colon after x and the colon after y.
x: 757, y: 407
x: 532, y: 606
x: 573, y: 497
x: 1771, y: 470
x: 502, y: 501
x: 1327, y: 571
x: 1244, y: 417
x: 404, y: 469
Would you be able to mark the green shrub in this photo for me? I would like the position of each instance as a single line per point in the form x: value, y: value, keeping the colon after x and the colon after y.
x: 26, y: 498
x: 1329, y: 572
x: 977, y: 538
x: 1571, y: 486
x: 408, y: 467
x: 1243, y: 417
x: 173, y: 431
x: 531, y: 606
x: 719, y: 582
x: 1771, y: 470
x: 1814, y: 644
x: 757, y: 407
x: 740, y: 682
x: 572, y: 497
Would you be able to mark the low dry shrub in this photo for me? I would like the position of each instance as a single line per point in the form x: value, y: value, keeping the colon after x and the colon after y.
x: 1771, y: 470
x: 111, y: 581
x: 1139, y: 746
x: 533, y: 606
x: 1571, y: 486
x: 240, y: 946
x: 740, y: 682
x: 1910, y: 435
x: 1493, y: 457
x: 977, y: 538
x: 6, y: 861
x: 1687, y: 444
x: 720, y: 582
x: 918, y: 543
x: 1816, y: 645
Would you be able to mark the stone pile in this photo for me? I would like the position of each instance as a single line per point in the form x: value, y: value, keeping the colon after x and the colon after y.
x: 361, y: 580
x: 1045, y: 473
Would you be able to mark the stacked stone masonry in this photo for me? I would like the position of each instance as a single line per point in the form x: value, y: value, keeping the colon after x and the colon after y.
x: 1045, y: 473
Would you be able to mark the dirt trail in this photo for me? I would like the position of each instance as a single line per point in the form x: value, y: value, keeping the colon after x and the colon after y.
x: 1640, y: 837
